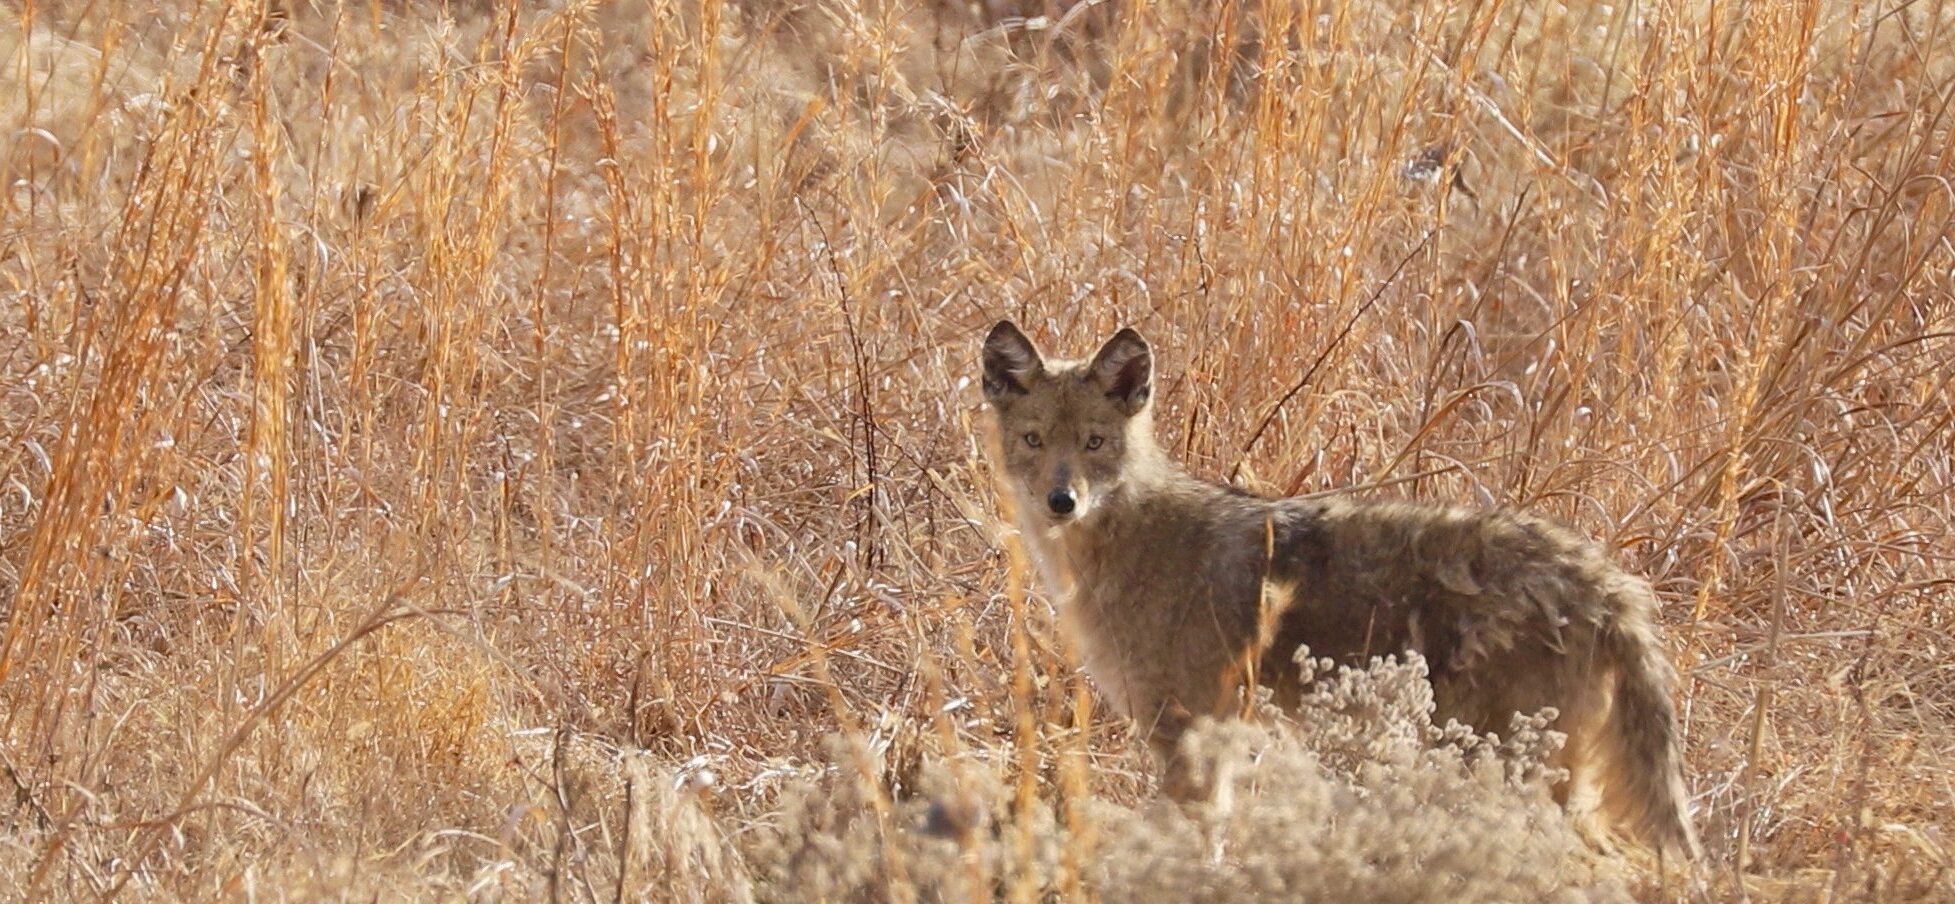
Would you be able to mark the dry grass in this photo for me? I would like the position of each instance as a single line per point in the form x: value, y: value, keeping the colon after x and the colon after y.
x: 498, y: 452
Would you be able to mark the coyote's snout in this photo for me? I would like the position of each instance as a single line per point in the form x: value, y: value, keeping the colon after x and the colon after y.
x: 1172, y: 584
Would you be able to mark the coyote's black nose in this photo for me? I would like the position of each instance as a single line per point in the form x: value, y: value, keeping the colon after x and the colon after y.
x: 1060, y: 501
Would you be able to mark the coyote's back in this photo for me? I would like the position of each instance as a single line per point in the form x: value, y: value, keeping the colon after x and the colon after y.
x: 1173, y: 585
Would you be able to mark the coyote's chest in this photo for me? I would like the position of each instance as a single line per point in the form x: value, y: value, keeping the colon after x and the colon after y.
x: 1112, y: 657
x: 1125, y: 604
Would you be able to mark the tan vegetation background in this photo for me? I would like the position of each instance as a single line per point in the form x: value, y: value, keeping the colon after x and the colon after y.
x: 475, y: 450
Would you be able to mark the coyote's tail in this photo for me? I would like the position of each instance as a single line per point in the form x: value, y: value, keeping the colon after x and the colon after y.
x: 1646, y: 791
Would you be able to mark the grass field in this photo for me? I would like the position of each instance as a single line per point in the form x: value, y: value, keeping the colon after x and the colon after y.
x: 464, y: 450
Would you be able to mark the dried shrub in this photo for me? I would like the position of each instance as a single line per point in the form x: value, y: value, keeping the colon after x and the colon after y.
x: 1358, y: 798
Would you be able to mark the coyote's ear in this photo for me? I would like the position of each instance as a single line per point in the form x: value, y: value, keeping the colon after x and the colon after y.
x: 1009, y: 361
x: 1125, y: 369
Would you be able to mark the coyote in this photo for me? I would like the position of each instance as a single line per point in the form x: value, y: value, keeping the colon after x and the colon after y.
x: 1179, y: 590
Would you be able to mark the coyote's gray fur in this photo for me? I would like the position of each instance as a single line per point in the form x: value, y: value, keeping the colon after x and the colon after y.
x: 1179, y: 590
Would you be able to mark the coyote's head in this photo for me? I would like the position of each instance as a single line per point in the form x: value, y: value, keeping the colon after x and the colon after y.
x: 1072, y: 432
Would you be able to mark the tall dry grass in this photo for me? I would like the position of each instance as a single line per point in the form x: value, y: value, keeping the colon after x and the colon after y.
x: 505, y: 451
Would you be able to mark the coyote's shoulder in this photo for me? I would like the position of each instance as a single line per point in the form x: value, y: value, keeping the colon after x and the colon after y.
x: 1177, y: 588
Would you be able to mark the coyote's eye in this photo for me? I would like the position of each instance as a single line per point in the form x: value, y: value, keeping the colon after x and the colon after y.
x: 1032, y: 439
x: 1094, y: 442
